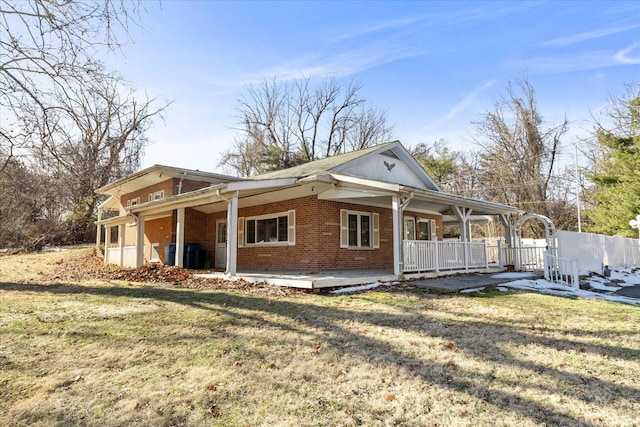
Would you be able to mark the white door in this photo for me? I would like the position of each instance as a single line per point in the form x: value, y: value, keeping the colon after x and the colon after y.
x: 221, y: 244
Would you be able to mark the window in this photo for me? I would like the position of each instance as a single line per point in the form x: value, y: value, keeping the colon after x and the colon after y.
x: 359, y: 229
x: 158, y: 195
x: 133, y: 202
x: 155, y: 252
x: 270, y: 229
x: 410, y: 228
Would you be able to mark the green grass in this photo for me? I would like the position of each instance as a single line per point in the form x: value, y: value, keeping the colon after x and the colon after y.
x: 113, y: 353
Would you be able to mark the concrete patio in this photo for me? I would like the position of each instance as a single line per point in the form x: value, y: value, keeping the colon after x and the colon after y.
x: 335, y: 279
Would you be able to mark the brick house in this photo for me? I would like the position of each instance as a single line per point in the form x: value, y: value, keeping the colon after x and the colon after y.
x: 369, y: 210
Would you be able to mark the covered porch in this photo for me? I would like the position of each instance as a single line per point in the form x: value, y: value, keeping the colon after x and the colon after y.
x: 408, y: 254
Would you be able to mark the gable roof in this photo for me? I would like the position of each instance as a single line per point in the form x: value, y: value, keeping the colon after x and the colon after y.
x: 160, y: 173
x: 358, y: 163
x: 319, y: 167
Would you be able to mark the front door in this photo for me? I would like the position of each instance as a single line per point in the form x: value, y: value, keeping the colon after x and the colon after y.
x: 221, y: 244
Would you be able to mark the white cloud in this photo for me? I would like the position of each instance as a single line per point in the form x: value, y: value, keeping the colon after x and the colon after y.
x: 623, y: 55
x: 567, y: 63
x: 588, y: 35
x: 461, y: 105
x: 339, y: 65
x: 372, y: 28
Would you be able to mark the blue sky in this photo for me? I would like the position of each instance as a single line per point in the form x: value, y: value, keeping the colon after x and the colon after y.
x: 433, y: 66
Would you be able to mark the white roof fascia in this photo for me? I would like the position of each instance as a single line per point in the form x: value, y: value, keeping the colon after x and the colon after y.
x: 260, y: 184
x: 388, y: 186
x: 199, y: 197
x: 456, y: 200
x: 116, y: 220
x: 324, y: 178
x: 112, y: 203
x: 345, y: 192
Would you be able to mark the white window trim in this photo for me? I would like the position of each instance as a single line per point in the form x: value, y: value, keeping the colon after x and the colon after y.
x: 133, y: 202
x: 153, y: 198
x: 291, y: 229
x: 374, y: 230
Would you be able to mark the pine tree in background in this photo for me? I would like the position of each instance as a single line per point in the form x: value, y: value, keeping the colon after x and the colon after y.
x: 617, y: 168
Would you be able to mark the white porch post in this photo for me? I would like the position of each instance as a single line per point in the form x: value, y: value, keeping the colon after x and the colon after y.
x: 107, y: 241
x: 140, y: 241
x: 180, y: 237
x: 98, y: 234
x: 397, y: 234
x: 121, y: 243
x: 232, y: 235
x: 465, y: 232
x: 510, y: 243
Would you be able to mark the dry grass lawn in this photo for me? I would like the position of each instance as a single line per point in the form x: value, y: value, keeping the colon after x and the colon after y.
x: 106, y: 353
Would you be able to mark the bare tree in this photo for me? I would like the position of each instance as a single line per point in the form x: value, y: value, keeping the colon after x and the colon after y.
x: 94, y: 135
x: 44, y: 44
x: 518, y: 152
x: 286, y: 124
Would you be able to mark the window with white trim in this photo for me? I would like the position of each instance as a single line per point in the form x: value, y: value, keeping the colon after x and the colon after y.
x: 158, y: 195
x: 269, y: 229
x: 133, y: 202
x: 359, y: 229
x: 155, y: 252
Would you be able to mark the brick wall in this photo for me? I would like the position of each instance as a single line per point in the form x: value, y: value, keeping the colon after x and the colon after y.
x: 167, y: 186
x: 317, y: 239
x: 197, y: 230
x: 317, y: 229
x: 159, y: 231
x: 188, y: 185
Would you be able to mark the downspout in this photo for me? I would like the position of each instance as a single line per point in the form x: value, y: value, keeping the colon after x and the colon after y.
x: 219, y: 194
x: 184, y: 174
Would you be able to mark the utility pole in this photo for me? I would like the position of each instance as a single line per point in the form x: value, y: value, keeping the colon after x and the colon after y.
x: 578, y: 189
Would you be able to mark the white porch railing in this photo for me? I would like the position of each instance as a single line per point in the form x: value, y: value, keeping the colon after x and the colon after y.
x: 561, y: 270
x: 428, y: 255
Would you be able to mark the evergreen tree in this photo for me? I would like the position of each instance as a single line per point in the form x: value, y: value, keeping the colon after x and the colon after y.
x: 617, y: 198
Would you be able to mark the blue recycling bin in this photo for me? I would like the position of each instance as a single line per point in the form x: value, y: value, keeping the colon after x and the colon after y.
x: 191, y: 255
x: 170, y: 254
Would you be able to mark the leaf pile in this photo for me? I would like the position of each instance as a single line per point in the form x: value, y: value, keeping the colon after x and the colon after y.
x: 87, y: 267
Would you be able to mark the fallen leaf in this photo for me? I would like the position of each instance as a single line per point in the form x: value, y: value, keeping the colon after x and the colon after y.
x: 391, y: 397
x: 451, y: 364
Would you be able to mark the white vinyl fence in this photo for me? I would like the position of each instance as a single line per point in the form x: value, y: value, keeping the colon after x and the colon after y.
x: 592, y: 251
x: 128, y: 254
